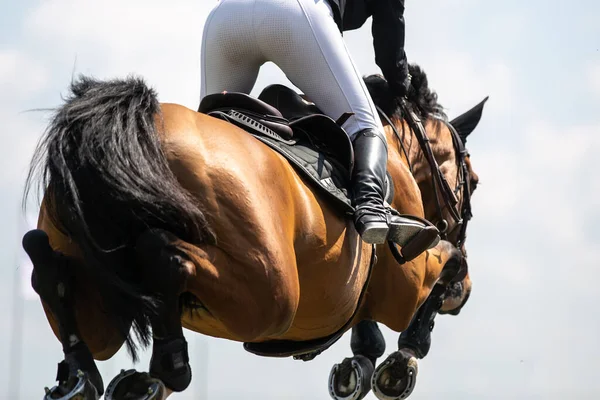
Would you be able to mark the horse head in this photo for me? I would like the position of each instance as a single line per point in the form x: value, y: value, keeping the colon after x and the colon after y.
x: 447, y: 179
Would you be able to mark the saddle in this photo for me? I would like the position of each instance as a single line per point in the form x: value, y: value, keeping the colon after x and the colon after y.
x: 313, y: 143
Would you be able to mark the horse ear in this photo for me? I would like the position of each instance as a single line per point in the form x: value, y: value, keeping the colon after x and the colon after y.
x: 467, y: 122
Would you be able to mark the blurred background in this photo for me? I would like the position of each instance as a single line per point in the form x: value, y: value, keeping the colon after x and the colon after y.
x: 531, y: 327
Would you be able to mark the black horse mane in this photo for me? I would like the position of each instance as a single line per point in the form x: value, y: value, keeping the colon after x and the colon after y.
x: 423, y: 100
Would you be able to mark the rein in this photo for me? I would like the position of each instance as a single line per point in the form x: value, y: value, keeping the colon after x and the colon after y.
x: 444, y: 196
x: 389, y: 121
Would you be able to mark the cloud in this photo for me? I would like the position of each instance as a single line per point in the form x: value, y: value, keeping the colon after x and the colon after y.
x: 460, y: 79
x: 22, y: 80
x: 560, y: 159
x: 20, y: 132
x: 593, y: 77
x: 117, y: 26
x: 20, y: 76
x: 461, y: 82
x: 157, y: 40
x: 541, y: 187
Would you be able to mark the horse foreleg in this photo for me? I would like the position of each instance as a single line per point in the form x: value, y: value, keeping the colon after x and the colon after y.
x: 351, y: 379
x: 395, y: 378
x: 53, y: 280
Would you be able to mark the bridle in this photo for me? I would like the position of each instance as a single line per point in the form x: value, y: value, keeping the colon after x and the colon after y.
x: 444, y: 195
x: 463, y: 183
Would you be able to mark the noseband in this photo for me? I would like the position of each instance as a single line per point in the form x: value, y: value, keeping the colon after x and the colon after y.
x: 444, y: 195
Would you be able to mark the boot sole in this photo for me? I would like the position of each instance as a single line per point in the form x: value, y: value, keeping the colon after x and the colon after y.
x: 402, y: 234
x: 374, y: 233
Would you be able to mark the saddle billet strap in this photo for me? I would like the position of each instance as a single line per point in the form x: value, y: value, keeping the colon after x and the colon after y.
x: 344, y: 118
x: 309, y: 349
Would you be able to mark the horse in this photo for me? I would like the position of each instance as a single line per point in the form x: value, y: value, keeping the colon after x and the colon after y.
x: 156, y: 217
x: 354, y: 377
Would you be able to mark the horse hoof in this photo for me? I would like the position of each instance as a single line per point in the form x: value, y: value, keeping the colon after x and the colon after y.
x: 133, y: 385
x: 351, y: 380
x: 395, y: 378
x: 77, y: 387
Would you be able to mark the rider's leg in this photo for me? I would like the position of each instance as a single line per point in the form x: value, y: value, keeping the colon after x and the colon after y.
x: 230, y: 58
x: 301, y: 37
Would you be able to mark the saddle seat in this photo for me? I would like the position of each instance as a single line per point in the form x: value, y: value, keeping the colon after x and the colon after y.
x: 261, y: 111
x: 287, y: 114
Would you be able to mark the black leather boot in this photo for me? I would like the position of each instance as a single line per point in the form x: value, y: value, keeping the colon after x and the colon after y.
x: 373, y: 220
x: 370, y: 162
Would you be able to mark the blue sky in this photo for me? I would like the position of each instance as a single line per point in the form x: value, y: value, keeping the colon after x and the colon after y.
x: 530, y: 330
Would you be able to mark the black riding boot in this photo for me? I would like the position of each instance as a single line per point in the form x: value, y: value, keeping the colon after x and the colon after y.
x: 370, y: 162
x: 373, y: 220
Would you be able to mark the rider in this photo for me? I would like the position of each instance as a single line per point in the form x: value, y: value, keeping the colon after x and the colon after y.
x: 304, y: 38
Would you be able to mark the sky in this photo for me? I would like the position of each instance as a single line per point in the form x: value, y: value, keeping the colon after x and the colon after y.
x: 531, y: 327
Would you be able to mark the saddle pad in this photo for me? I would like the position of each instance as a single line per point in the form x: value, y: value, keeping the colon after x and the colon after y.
x: 328, y: 176
x: 324, y: 172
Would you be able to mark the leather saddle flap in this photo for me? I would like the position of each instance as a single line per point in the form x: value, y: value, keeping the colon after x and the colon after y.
x: 327, y: 137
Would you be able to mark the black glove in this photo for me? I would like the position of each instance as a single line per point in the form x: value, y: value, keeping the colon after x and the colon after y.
x: 402, y: 87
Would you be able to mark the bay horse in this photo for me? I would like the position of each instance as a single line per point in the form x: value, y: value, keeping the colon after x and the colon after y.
x: 156, y: 217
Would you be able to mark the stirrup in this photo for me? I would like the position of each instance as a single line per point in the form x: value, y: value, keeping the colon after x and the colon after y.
x: 403, y: 228
x: 415, y: 235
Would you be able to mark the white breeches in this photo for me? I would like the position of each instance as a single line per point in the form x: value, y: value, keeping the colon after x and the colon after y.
x: 301, y: 38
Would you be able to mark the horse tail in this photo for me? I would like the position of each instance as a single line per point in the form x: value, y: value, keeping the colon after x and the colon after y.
x: 107, y: 180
